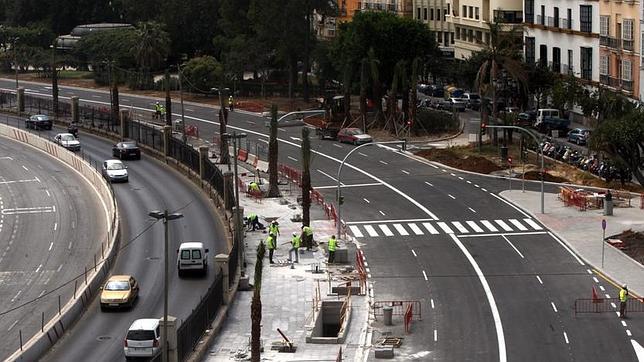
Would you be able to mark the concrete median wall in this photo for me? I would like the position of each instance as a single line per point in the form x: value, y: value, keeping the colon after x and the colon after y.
x: 39, y: 344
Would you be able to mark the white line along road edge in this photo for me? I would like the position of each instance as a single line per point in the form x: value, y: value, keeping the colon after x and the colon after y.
x: 490, y: 298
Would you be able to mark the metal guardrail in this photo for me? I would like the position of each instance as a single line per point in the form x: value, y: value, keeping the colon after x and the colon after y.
x: 399, y: 308
x: 606, y: 305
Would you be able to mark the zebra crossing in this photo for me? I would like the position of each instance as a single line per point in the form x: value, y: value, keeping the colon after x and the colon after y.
x: 361, y: 230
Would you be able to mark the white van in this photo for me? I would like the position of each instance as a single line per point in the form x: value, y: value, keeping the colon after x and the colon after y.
x: 142, y: 339
x: 546, y: 112
x: 191, y: 256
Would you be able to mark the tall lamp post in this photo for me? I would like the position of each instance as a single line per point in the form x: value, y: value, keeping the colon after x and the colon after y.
x: 237, y: 137
x: 15, y: 58
x: 165, y: 216
x: 54, y: 80
x: 183, y: 120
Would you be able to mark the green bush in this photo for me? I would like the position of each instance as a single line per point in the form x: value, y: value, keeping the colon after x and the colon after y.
x: 433, y: 121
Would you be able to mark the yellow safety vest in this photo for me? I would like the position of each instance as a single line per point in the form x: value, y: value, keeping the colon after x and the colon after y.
x: 308, y: 231
x: 623, y: 295
x: 332, y: 244
x: 295, y: 242
x: 270, y: 243
x: 273, y: 229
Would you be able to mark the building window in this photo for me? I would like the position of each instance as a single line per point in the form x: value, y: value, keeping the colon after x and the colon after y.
x: 556, y: 60
x: 444, y: 14
x: 529, y: 11
x: 448, y: 11
x: 604, y: 25
x: 627, y: 70
x: 452, y: 36
x: 479, y: 37
x: 603, y: 65
x: 586, y: 18
x: 476, y: 13
x: 529, y: 50
x: 570, y: 61
x: 487, y: 38
x: 425, y: 14
x: 556, y: 16
x: 446, y: 38
x: 440, y: 36
x: 586, y: 63
x: 471, y: 14
x: 457, y: 30
x: 627, y: 29
x: 464, y: 15
x: 418, y: 13
x: 569, y: 18
x: 543, y: 15
x: 470, y: 35
x: 431, y: 14
x: 543, y: 55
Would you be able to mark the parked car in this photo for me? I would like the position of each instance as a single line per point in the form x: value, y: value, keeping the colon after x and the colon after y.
x: 454, y: 104
x: 126, y: 149
x: 579, y: 136
x: 544, y: 113
x: 68, y: 141
x: 114, y: 171
x: 437, y: 91
x: 192, y: 256
x: 472, y: 101
x: 39, y: 121
x: 526, y: 119
x: 353, y: 135
x: 142, y: 339
x: 119, y: 291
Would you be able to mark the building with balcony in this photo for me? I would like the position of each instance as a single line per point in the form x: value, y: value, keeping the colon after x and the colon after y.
x: 324, y: 27
x: 471, y: 19
x: 349, y: 8
x: 434, y: 13
x: 563, y: 35
x: 619, y: 51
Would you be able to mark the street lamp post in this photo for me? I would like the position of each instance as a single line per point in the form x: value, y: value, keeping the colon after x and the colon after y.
x: 15, y: 58
x: 54, y: 80
x: 237, y: 137
x: 165, y: 216
x: 338, y: 192
x: 183, y: 120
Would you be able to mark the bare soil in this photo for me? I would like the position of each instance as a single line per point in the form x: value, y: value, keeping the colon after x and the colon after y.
x: 632, y: 243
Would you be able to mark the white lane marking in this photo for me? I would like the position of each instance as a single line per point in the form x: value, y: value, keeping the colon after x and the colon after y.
x: 474, y: 226
x: 70, y: 245
x: 16, y: 297
x: 292, y: 158
x: 518, y: 224
x: 460, y: 178
x: 489, y: 225
x: 413, y: 252
x: 281, y: 129
x: 468, y: 181
x: 263, y: 140
x: 383, y: 162
x: 55, y: 226
x: 51, y: 246
x: 415, y: 229
x: 628, y: 332
x: 387, y: 221
x: 554, y: 307
x: 607, y: 296
x: 296, y: 139
x: 346, y: 186
x: 502, y: 224
x: 589, y: 271
x: 500, y: 337
x: 614, y: 306
x: 47, y: 192
x: 337, y: 145
x: 18, y: 181
x: 513, y: 247
x: 539, y: 279
x: 451, y: 174
x: 445, y: 228
x: 38, y: 268
x: 499, y: 234
x: 190, y: 110
x: 401, y: 230
x: 435, y: 335
x: 453, y: 198
x: 460, y: 227
x: 356, y: 231
x: 12, y: 325
x: 430, y: 228
x: 566, y: 338
x: 532, y: 224
x: 6, y: 158
x: 624, y: 323
x: 510, y: 204
x: 29, y: 210
x: 639, y: 350
x: 431, y: 301
x: 429, y: 184
x: 59, y: 268
x: 37, y: 179
x: 381, y: 213
x: 25, y: 167
x: 362, y: 154
x: 568, y: 250
x: 425, y: 275
x: 370, y: 230
x: 385, y: 229
x: 596, y: 280
x: 405, y: 172
x: 475, y: 185
x: 602, y: 288
x: 365, y: 200
x: 327, y: 175
x: 483, y: 189
x: 472, y: 210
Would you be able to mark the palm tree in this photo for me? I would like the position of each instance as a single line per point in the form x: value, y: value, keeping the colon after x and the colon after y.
x: 413, y: 93
x: 375, y: 84
x: 274, y: 190
x: 224, y: 153
x: 503, y: 52
x: 306, y: 177
x: 152, y: 48
x: 364, y: 82
x: 346, y: 88
x: 256, y: 305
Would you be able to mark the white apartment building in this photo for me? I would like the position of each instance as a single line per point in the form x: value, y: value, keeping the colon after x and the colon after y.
x: 564, y: 35
x: 434, y: 13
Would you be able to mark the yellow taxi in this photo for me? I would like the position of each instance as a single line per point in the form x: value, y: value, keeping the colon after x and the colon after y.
x: 119, y: 291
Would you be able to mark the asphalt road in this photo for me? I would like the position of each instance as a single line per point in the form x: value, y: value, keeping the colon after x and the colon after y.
x: 493, y: 283
x: 51, y: 224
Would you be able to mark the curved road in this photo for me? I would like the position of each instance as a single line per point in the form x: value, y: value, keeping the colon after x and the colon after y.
x: 51, y: 223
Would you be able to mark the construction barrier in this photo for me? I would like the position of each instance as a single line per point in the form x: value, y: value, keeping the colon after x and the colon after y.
x: 399, y: 308
x: 242, y: 155
x: 192, y: 130
x: 362, y: 271
x: 606, y: 305
x: 408, y: 318
x: 570, y: 197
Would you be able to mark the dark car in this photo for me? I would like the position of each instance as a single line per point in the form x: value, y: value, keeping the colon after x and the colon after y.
x: 579, y: 136
x: 126, y: 149
x: 39, y: 121
x: 526, y: 119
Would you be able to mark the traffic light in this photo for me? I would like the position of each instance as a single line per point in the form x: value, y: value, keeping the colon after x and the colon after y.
x: 483, y: 128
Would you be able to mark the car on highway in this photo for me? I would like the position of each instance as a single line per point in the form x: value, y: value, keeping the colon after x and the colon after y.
x: 353, y: 135
x: 68, y: 141
x: 579, y: 136
x: 192, y: 256
x: 119, y: 291
x: 126, y: 149
x: 143, y: 339
x: 472, y: 101
x: 39, y: 121
x: 114, y: 171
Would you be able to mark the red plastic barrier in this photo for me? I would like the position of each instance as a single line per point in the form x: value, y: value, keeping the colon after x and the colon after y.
x: 242, y: 155
x: 192, y: 130
x: 408, y: 318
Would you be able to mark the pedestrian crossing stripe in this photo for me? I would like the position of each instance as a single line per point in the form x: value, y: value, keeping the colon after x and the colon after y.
x: 362, y: 229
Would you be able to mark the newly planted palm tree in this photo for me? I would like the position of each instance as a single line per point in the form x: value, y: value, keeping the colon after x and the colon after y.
x: 273, y: 190
x: 375, y: 84
x: 364, y: 82
x: 256, y: 305
x: 306, y: 177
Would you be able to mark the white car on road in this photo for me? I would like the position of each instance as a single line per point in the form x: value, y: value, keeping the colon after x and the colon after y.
x: 68, y: 141
x: 114, y: 171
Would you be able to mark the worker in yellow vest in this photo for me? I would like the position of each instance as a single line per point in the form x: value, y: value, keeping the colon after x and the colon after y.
x: 271, y: 245
x: 307, y: 236
x: 274, y: 229
x: 295, y: 247
x: 333, y: 244
x: 623, y: 297
x: 231, y: 103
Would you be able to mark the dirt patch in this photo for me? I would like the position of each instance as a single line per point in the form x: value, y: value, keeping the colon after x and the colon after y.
x: 632, y: 243
x: 536, y: 175
x: 464, y: 162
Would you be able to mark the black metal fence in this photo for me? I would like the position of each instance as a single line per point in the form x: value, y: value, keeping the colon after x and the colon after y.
x: 146, y: 134
x: 233, y: 262
x: 193, y: 328
x: 184, y: 153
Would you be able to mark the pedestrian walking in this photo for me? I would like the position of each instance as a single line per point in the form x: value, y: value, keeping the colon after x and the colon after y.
x: 623, y: 297
x: 307, y: 236
x: 271, y: 245
x: 333, y: 244
x: 274, y: 229
x: 295, y: 247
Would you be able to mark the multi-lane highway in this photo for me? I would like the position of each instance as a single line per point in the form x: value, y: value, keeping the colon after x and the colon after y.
x: 494, y: 284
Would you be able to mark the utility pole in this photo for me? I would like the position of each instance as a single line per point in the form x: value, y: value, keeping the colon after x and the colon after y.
x: 15, y: 58
x: 184, y: 138
x: 237, y: 137
x: 168, y: 100
x: 54, y: 80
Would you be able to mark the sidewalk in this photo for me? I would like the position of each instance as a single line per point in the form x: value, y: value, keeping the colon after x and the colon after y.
x: 582, y: 231
x: 288, y: 293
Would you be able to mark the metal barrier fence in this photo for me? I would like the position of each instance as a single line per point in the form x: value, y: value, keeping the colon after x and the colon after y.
x: 399, y: 307
x: 184, y: 153
x: 149, y: 135
x: 191, y: 330
x: 606, y: 305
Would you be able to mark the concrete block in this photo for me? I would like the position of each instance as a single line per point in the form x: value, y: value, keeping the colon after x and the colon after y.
x: 384, y: 352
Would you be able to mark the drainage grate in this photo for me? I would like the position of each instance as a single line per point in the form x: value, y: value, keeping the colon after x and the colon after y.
x: 103, y: 338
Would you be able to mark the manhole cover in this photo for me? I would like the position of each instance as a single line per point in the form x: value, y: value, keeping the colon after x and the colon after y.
x: 153, y: 258
x: 103, y: 338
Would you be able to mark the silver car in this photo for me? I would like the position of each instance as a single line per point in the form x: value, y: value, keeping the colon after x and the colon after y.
x: 114, y: 171
x: 68, y: 141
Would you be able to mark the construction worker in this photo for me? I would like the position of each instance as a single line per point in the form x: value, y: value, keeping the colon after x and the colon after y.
x: 333, y: 244
x: 307, y: 236
x: 253, y: 220
x: 231, y: 103
x: 157, y: 110
x: 253, y: 187
x: 295, y: 247
x: 274, y: 229
x: 271, y: 245
x: 623, y: 297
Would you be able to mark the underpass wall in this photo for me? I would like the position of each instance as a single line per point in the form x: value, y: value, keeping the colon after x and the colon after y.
x: 89, y: 281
